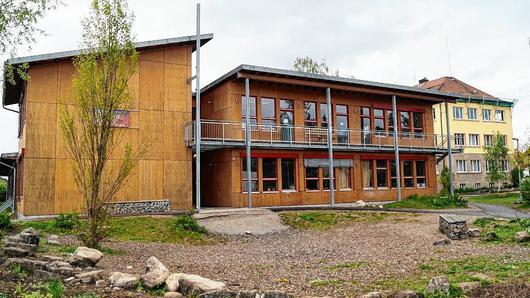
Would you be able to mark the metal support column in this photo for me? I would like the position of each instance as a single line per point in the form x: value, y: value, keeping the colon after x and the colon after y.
x: 198, y: 113
x: 442, y: 132
x: 248, y: 131
x: 14, y: 184
x: 449, y: 152
x: 330, y: 149
x: 396, y: 147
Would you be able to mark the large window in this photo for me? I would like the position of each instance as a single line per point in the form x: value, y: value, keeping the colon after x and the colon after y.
x: 379, y: 121
x: 408, y: 174
x: 270, y: 177
x: 417, y: 121
x: 268, y: 111
x: 366, y: 124
x: 326, y: 179
x: 405, y: 122
x: 475, y: 166
x: 343, y: 178
x: 311, y: 178
x: 457, y: 113
x: 253, y: 111
x: 286, y: 112
x: 461, y: 166
x: 288, y: 174
x: 342, y: 123
x: 499, y: 115
x: 504, y: 165
x: 486, y: 115
x: 381, y: 173
x: 488, y: 140
x: 421, y: 178
x: 324, y: 118
x: 253, y: 174
x: 368, y: 174
x: 310, y: 113
x: 393, y: 174
x: 472, y: 113
x: 473, y: 139
x: 459, y: 139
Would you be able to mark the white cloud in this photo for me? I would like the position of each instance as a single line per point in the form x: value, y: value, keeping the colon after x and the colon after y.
x: 390, y: 41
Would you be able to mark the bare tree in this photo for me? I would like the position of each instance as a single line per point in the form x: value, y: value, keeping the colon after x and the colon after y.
x: 101, y: 90
x: 310, y: 65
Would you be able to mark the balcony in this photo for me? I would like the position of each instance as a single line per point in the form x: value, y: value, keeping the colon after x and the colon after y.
x: 226, y: 134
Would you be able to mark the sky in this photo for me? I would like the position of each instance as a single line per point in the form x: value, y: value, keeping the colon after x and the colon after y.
x: 483, y: 43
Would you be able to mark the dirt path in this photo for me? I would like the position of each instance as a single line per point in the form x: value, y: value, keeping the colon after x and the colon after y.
x: 337, y: 262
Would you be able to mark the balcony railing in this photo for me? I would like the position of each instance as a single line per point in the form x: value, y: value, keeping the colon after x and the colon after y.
x: 226, y: 134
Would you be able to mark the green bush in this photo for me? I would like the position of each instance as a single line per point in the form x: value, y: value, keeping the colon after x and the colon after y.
x: 3, y: 190
x: 188, y: 223
x: 67, y: 222
x: 525, y: 189
x: 5, y: 221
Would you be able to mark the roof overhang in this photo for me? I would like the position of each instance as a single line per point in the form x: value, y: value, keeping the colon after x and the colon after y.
x: 12, y: 93
x: 266, y: 74
x: 7, y: 159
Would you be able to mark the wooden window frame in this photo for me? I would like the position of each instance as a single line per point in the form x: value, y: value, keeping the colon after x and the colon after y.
x: 319, y: 187
x: 263, y: 179
x: 416, y: 176
x: 334, y: 179
x: 295, y: 162
x: 275, y: 118
x: 379, y: 132
x: 243, y: 110
x: 319, y: 115
x: 315, y: 122
x: 244, y: 177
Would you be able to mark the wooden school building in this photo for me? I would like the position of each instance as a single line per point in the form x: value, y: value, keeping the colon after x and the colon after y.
x: 288, y: 136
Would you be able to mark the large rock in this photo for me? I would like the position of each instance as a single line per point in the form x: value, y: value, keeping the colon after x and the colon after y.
x: 173, y: 295
x: 276, y: 294
x: 195, y: 284
x: 249, y: 294
x: 85, y: 257
x: 60, y: 267
x: 474, y: 233
x: 522, y: 236
x: 438, y: 284
x: 406, y: 294
x: 91, y: 276
x: 15, y: 252
x: 123, y: 280
x: 172, y: 282
x: 155, y: 274
x: 373, y: 295
x: 467, y: 287
x: 26, y: 264
x: 219, y: 294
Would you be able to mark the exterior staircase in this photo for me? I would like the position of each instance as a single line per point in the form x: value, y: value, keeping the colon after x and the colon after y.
x: 8, y: 204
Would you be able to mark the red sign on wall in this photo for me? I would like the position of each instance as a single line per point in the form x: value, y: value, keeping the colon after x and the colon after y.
x: 121, y: 118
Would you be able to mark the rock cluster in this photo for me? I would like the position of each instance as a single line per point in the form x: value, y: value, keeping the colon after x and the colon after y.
x: 23, y: 244
x: 454, y: 227
x: 140, y: 207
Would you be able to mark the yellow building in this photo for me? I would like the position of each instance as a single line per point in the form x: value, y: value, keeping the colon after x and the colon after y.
x: 474, y: 119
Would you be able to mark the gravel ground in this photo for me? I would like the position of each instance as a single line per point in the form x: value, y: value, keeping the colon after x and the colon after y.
x: 295, y: 260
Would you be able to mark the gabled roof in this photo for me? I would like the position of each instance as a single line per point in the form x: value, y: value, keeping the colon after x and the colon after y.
x: 245, y: 69
x: 12, y: 92
x: 466, y: 91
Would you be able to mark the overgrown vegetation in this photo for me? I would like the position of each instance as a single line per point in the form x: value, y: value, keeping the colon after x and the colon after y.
x: 525, y: 190
x: 429, y: 202
x: 5, y: 221
x: 3, y: 190
x: 322, y: 220
x: 504, y: 229
x: 495, y: 155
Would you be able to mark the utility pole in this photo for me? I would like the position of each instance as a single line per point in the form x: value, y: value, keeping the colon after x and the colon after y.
x: 198, y: 112
x: 248, y: 132
x: 449, y: 152
x: 330, y: 149
x: 396, y: 147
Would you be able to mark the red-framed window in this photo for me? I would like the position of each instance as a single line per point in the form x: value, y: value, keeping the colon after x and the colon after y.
x: 324, y: 117
x: 268, y: 111
x: 326, y: 179
x: 269, y: 172
x: 379, y: 121
x: 310, y: 113
x: 417, y: 124
x: 312, y: 178
x: 286, y: 112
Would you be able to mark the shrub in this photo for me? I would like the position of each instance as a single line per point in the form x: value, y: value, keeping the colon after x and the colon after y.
x: 525, y: 189
x: 3, y: 190
x: 188, y: 223
x: 55, y: 289
x: 5, y: 221
x: 66, y: 222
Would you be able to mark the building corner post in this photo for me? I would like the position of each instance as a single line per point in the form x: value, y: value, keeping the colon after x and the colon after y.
x: 198, y: 113
x: 248, y: 132
x: 396, y: 148
x: 449, y: 152
x: 330, y: 149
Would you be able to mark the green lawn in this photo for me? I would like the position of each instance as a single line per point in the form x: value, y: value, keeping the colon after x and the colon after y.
x: 504, y: 229
x: 424, y: 202
x: 322, y: 220
x: 163, y: 229
x: 507, y: 200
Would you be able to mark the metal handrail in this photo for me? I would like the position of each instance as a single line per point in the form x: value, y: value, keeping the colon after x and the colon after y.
x: 7, y: 204
x: 230, y: 131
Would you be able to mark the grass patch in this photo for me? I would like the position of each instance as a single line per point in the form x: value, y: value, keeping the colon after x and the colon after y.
x: 317, y: 283
x: 501, y: 269
x: 179, y: 229
x: 505, y: 230
x: 426, y: 202
x: 322, y: 220
x: 507, y: 200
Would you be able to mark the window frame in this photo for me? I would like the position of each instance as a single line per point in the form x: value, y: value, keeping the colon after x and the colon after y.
x: 462, y: 162
x: 253, y: 126
x: 476, y: 137
x: 486, y: 138
x: 315, y: 121
x: 475, y: 162
x: 286, y: 110
x: 263, y: 179
x: 501, y: 112
x: 474, y: 113
x: 317, y: 179
x: 244, y: 177
x: 484, y: 114
x: 416, y: 176
x: 294, y: 174
x: 263, y: 118
x: 460, y: 114
x: 350, y: 170
x: 459, y: 136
